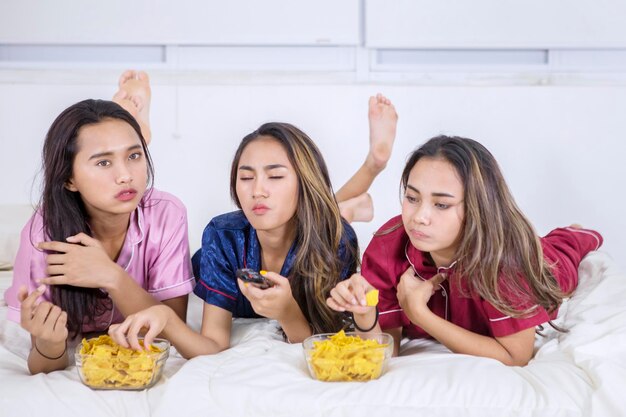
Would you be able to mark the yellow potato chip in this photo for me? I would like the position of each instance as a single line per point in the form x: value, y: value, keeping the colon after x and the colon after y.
x: 371, y: 298
x: 347, y: 358
x: 105, y: 364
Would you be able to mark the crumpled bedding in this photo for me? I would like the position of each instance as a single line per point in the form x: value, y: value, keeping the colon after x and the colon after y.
x: 579, y: 373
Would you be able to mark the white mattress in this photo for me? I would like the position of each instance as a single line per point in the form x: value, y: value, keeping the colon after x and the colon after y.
x: 580, y: 373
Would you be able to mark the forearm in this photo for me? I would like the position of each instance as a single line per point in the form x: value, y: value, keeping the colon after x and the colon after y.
x: 127, y: 295
x: 460, y: 340
x: 179, y: 305
x: 295, y: 324
x: 38, y: 363
x: 189, y: 343
x: 365, y: 321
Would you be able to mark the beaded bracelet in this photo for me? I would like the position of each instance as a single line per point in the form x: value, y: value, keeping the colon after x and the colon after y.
x: 356, y: 326
x: 48, y: 357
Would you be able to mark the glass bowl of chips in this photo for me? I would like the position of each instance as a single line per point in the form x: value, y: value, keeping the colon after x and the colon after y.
x: 347, y: 356
x: 103, y: 364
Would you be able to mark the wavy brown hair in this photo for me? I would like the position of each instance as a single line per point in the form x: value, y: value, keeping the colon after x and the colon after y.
x: 319, y: 226
x: 499, y: 256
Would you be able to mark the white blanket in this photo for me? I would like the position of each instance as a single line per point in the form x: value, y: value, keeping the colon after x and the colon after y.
x: 579, y: 373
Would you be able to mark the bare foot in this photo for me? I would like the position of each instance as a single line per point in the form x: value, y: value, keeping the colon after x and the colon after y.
x: 383, y: 120
x: 134, y: 96
x: 357, y: 209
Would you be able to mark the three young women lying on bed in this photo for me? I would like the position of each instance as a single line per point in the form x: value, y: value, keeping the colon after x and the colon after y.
x: 104, y: 244
x: 289, y: 223
x: 462, y: 264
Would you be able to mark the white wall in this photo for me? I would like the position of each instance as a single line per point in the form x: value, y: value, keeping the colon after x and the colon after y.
x: 561, y: 147
x: 541, y: 85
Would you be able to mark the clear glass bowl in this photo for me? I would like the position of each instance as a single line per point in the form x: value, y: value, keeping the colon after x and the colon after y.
x: 349, y: 362
x: 123, y: 372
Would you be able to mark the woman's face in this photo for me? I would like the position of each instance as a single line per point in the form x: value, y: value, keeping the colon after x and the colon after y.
x: 110, y: 169
x: 267, y: 184
x: 433, y: 209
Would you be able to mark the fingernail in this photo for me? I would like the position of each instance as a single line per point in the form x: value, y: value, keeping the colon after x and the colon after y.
x: 262, y: 272
x: 354, y: 301
x: 41, y: 288
x: 363, y: 302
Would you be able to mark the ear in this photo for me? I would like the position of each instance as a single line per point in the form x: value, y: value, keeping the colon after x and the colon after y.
x: 69, y: 185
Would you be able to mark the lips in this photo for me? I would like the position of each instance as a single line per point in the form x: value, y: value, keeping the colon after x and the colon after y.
x: 260, y: 209
x: 419, y: 235
x: 126, y: 195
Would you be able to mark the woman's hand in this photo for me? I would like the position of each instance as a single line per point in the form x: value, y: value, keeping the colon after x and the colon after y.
x: 349, y: 295
x: 45, y: 321
x: 413, y: 293
x: 274, y: 302
x: 154, y: 319
x: 82, y: 262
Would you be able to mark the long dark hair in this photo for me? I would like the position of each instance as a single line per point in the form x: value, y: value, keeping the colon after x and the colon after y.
x: 499, y: 254
x: 63, y: 211
x: 319, y: 226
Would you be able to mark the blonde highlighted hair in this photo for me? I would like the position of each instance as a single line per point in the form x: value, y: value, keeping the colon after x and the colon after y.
x: 319, y: 227
x: 499, y: 255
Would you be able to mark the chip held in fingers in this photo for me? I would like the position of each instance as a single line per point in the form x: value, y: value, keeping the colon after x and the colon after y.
x: 371, y: 298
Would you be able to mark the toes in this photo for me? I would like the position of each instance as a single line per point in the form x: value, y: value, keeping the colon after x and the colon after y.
x: 126, y: 75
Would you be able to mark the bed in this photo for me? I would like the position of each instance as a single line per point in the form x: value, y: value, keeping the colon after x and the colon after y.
x: 579, y: 373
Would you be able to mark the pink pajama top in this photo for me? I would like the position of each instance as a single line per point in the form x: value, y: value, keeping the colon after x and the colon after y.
x: 155, y: 254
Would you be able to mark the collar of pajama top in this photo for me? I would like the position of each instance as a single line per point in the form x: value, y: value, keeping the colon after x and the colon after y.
x: 251, y: 253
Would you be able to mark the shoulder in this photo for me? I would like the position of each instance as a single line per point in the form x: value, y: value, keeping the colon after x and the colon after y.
x: 231, y: 226
x: 33, y: 230
x: 234, y: 220
x: 390, y: 235
x: 388, y: 225
x: 387, y: 246
x: 160, y: 201
x: 159, y: 214
x: 161, y: 210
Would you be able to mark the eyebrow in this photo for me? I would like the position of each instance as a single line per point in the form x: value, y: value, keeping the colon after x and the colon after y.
x: 266, y: 167
x: 109, y: 153
x: 433, y: 194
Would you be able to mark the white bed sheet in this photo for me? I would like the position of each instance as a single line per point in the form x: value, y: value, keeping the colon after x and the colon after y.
x: 580, y: 373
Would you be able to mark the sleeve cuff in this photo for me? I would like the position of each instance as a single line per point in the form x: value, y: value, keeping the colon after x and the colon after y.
x: 390, y: 319
x: 506, y: 326
x: 173, y: 291
x: 214, y: 297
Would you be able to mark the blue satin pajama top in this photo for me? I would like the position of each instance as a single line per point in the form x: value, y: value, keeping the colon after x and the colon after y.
x: 229, y: 243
